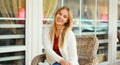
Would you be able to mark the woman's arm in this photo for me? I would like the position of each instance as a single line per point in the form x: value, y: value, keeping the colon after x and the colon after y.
x: 48, y: 46
x: 72, y: 49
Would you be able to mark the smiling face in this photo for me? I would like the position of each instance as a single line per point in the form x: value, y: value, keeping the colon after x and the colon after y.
x: 61, y: 17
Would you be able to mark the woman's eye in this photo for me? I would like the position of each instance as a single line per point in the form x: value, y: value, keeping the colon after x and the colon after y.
x: 65, y: 17
x: 59, y: 13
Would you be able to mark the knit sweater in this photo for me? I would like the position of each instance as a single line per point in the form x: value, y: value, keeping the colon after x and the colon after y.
x: 68, y: 52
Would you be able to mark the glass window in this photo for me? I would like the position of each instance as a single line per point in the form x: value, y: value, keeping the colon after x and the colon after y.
x: 118, y: 30
x: 12, y: 32
x: 12, y: 58
x: 74, y: 8
x: 102, y: 28
x: 88, y: 9
x: 102, y: 10
x: 12, y: 21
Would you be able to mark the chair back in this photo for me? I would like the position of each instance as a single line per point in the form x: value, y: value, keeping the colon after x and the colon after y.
x: 87, y: 47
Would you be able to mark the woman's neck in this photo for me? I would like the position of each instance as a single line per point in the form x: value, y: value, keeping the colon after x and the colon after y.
x: 58, y: 30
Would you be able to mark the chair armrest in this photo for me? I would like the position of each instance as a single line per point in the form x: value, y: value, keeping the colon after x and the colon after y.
x: 38, y: 58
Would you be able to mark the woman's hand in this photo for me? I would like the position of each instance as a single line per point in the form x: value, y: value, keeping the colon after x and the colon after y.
x: 64, y: 62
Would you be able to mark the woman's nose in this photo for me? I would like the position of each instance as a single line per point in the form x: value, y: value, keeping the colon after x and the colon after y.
x: 61, y: 16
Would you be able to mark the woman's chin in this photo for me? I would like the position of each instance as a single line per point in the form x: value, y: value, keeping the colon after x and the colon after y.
x: 59, y: 23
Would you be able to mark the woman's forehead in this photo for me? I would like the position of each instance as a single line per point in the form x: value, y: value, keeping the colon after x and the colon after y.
x: 64, y: 11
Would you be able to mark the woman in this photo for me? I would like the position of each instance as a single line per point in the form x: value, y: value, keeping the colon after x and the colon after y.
x: 59, y: 40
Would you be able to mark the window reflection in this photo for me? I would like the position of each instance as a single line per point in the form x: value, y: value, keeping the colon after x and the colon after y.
x: 102, y: 9
x: 11, y: 8
x: 75, y: 8
x: 118, y: 9
x: 87, y: 26
x: 102, y: 52
x: 12, y: 36
x: 88, y: 9
x: 12, y: 31
x: 118, y: 31
x: 12, y: 58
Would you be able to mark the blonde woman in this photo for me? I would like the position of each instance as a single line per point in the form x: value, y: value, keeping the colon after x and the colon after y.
x: 59, y: 41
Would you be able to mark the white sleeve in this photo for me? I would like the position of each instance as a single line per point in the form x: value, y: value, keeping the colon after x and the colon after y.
x: 48, y: 47
x: 72, y: 49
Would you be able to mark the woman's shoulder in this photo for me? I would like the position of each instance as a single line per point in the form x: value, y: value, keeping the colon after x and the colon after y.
x: 45, y: 29
x: 70, y: 33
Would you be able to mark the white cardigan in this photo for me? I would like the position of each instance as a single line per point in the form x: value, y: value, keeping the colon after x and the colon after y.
x: 68, y: 52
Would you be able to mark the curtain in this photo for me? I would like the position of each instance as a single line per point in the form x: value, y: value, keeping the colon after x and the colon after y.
x: 49, y: 7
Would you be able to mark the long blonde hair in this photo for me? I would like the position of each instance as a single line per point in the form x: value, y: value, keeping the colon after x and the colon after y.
x: 67, y: 27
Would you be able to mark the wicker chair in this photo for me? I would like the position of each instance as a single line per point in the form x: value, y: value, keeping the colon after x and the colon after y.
x: 87, y: 47
x: 38, y: 58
